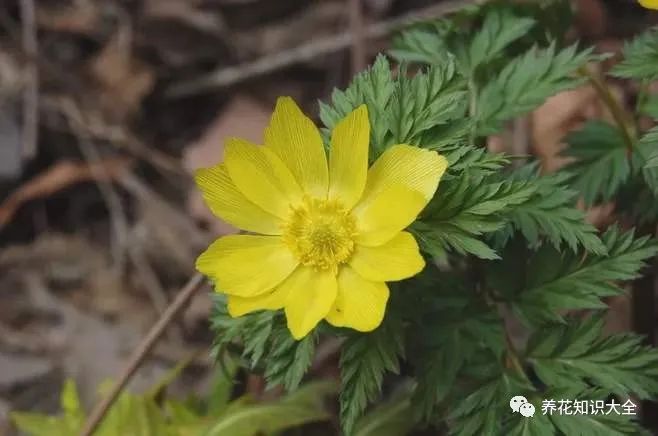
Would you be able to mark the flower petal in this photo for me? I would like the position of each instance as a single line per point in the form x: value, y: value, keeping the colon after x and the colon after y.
x: 360, y: 303
x: 297, y: 142
x: 386, y: 214
x: 261, y: 176
x: 247, y: 265
x: 412, y: 167
x: 228, y: 203
x: 271, y: 300
x: 311, y: 294
x: 398, y: 259
x: 348, y: 158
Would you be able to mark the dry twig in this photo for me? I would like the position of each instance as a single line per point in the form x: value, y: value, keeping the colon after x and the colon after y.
x: 111, y: 198
x: 151, y: 283
x: 142, y: 351
x: 31, y: 92
x: 232, y: 75
x: 179, y: 220
x: 92, y: 123
x: 358, y: 51
x: 56, y: 178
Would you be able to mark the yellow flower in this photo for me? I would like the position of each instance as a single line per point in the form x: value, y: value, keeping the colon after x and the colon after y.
x: 649, y: 4
x: 329, y: 234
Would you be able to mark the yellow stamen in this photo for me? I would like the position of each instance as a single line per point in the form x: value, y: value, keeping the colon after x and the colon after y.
x: 321, y: 233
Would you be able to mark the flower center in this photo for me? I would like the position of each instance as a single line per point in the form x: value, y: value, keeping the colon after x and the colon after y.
x: 320, y: 233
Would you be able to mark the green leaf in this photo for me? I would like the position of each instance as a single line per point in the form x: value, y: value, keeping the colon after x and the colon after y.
x: 252, y: 330
x: 301, y: 407
x: 35, y: 424
x: 373, y: 87
x: 602, y: 163
x: 70, y: 422
x: 538, y: 425
x: 499, y: 29
x: 652, y: 161
x: 422, y: 109
x: 597, y: 425
x: 640, y: 57
x: 560, y: 281
x: 222, y: 386
x: 428, y: 100
x: 464, y: 209
x: 550, y: 212
x: 130, y: 414
x: 142, y: 415
x: 256, y: 335
x: 289, y: 359
x: 364, y: 360
x: 646, y: 158
x: 266, y: 334
x: 134, y: 414
x: 183, y: 417
x: 526, y: 82
x: 423, y: 43
x: 392, y: 418
x: 649, y: 107
x: 576, y: 354
x: 70, y: 400
x: 453, y: 324
x: 475, y: 160
x: 483, y: 408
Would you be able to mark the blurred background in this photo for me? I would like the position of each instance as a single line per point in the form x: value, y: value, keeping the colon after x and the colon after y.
x: 106, y: 108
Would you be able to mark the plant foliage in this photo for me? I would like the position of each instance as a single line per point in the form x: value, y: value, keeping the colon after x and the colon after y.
x: 148, y: 415
x: 504, y: 242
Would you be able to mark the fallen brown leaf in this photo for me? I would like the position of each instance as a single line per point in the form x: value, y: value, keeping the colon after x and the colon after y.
x: 558, y: 116
x: 244, y: 118
x: 58, y: 177
x: 124, y: 79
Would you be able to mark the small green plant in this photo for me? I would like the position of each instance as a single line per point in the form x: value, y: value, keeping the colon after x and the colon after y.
x: 217, y: 415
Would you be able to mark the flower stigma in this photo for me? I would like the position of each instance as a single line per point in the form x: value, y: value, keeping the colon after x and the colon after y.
x: 320, y: 233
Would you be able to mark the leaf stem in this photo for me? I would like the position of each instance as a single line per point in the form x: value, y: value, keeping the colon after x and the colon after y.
x: 142, y: 351
x: 616, y: 110
x: 513, y: 355
x: 472, y: 107
x: 642, y: 95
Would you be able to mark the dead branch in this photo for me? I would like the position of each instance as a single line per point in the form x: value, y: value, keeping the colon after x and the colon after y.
x: 111, y: 198
x: 94, y: 126
x: 151, y: 284
x: 267, y: 64
x: 142, y: 351
x: 135, y: 186
x: 31, y: 92
x: 56, y: 178
x: 358, y: 51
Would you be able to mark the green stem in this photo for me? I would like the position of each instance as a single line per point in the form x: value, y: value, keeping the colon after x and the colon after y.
x: 618, y: 113
x: 642, y: 95
x: 513, y: 355
x: 472, y: 107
